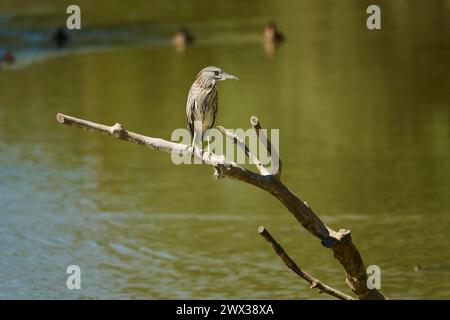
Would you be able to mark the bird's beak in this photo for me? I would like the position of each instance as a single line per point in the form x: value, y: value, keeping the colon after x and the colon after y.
x: 226, y: 76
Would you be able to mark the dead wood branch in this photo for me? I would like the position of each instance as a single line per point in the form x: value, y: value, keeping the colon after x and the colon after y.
x: 315, y: 283
x: 340, y: 242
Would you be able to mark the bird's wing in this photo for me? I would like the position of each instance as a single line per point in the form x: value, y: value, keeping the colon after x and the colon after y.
x: 214, y: 106
x: 190, y: 113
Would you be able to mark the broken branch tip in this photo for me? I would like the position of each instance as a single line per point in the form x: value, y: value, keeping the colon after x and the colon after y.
x: 60, y: 118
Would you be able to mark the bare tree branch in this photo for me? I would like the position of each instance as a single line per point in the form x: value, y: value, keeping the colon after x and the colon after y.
x: 315, y: 283
x: 220, y: 163
x: 254, y: 121
x: 340, y: 242
x: 262, y: 170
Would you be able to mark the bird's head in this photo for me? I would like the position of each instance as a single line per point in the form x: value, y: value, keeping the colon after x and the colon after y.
x: 212, y: 74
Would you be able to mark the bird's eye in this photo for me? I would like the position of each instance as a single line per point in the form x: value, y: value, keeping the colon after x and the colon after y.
x: 216, y: 72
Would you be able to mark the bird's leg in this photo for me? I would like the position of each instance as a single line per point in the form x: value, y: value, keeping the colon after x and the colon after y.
x: 201, y: 144
x: 193, y: 143
x: 196, y: 142
x: 208, y: 138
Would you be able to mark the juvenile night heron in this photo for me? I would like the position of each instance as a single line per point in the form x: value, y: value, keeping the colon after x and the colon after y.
x: 202, y: 102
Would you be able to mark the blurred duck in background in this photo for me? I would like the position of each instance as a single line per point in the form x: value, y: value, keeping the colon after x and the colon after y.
x: 271, y: 37
x: 182, y: 38
x: 7, y: 57
x: 60, y: 37
x: 272, y: 34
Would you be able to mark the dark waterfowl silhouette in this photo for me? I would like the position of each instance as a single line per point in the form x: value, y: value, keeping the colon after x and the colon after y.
x: 8, y: 57
x: 60, y: 37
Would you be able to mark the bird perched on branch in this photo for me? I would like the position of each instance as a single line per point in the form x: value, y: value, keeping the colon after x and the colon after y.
x: 202, y: 102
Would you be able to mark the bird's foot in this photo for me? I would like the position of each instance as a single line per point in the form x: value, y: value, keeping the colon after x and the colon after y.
x: 203, y: 152
x: 192, y: 152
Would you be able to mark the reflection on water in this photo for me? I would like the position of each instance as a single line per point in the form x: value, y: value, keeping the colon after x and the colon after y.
x: 363, y: 119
